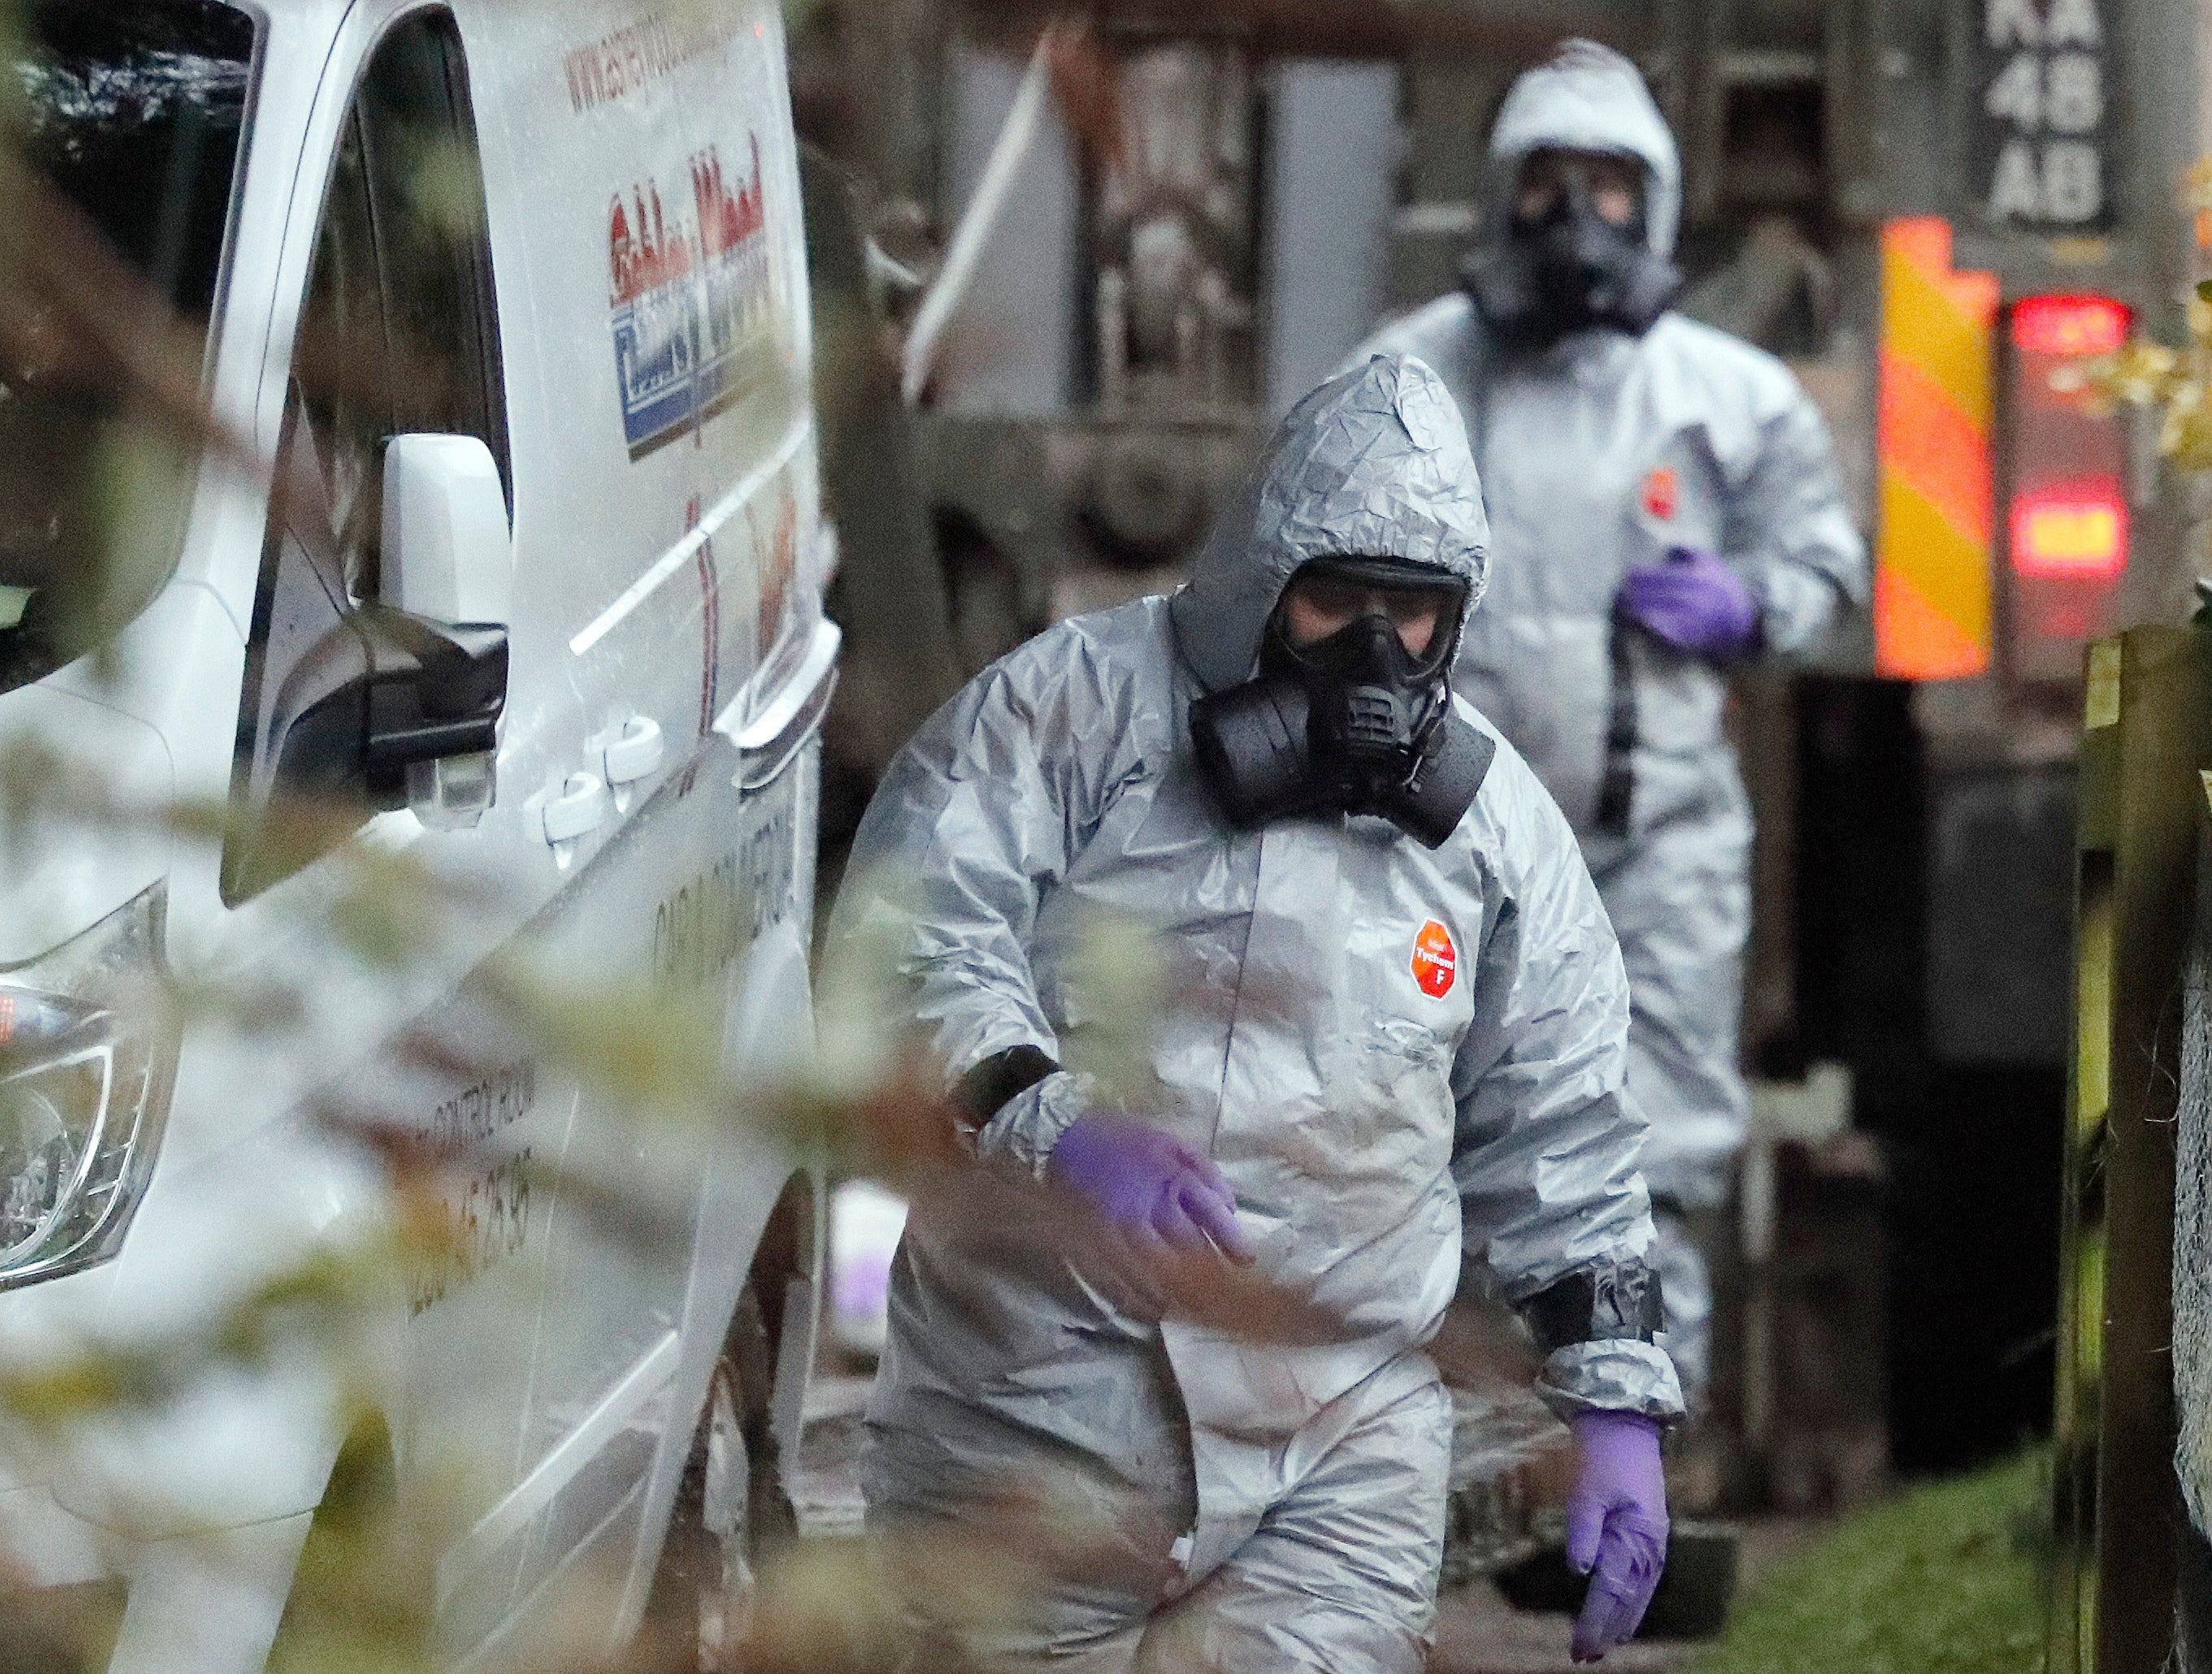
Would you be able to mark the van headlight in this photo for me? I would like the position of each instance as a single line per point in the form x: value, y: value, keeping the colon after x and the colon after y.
x: 88, y: 1054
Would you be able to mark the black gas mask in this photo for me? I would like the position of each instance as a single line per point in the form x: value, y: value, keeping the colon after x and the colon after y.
x: 1568, y: 268
x: 1352, y: 723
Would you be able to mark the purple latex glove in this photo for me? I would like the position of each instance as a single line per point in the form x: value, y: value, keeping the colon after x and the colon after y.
x: 1150, y: 1186
x: 1694, y: 602
x: 1616, y: 1526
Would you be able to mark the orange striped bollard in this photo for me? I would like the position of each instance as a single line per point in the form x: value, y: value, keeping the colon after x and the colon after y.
x: 1935, y: 412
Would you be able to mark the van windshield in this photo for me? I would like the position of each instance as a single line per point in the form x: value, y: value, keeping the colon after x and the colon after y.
x: 120, y: 126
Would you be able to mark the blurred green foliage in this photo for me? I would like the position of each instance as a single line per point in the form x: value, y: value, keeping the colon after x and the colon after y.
x: 2174, y: 383
x: 1944, y: 1580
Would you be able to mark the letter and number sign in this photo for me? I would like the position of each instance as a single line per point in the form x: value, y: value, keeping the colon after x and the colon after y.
x: 2042, y: 124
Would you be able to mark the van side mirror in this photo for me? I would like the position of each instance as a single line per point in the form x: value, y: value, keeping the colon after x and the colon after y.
x: 379, y: 696
x: 448, y: 555
x: 448, y: 558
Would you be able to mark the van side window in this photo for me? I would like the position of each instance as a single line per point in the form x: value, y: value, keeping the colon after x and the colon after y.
x: 397, y: 334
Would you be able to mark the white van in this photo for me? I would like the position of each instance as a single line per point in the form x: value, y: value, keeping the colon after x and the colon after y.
x: 509, y: 300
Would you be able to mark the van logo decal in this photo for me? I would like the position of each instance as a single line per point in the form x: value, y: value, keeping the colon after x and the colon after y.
x: 1435, y: 960
x: 690, y: 300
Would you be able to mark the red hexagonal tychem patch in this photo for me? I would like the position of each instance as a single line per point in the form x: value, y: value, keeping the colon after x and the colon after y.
x: 1435, y: 960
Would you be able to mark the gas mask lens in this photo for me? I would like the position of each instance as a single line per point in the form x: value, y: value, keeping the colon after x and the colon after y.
x: 1594, y: 188
x: 1318, y: 607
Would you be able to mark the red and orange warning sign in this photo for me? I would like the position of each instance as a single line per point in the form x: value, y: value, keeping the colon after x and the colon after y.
x: 1435, y: 960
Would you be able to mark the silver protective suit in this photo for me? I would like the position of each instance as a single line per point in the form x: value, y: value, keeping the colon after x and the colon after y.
x: 1599, y: 455
x: 1378, y: 1116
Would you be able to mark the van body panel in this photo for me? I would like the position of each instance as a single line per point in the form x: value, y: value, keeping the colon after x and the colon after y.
x: 40, y: 1324
x: 65, y: 874
x: 772, y: 1027
x: 54, y: 1547
x: 588, y: 519
x: 209, y: 1602
x: 613, y: 1294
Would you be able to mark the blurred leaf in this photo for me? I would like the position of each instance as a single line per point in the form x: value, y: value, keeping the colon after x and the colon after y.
x: 448, y: 188
x: 2140, y: 374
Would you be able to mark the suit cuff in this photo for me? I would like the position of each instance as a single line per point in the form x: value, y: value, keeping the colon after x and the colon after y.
x: 1795, y: 605
x: 1027, y: 1126
x: 1614, y: 1374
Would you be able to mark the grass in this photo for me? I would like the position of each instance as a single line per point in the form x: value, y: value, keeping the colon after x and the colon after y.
x: 1940, y: 1581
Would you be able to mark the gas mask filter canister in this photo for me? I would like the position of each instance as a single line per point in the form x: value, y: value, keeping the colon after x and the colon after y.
x: 1353, y: 723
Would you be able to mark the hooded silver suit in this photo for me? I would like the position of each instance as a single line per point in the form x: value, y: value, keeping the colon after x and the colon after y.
x: 1400, y: 1059
x: 1599, y: 455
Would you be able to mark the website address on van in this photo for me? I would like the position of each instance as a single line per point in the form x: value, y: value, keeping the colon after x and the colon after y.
x: 643, y: 52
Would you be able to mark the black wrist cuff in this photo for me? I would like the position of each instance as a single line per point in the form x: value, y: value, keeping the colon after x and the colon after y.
x: 1000, y: 1077
x: 1597, y: 1305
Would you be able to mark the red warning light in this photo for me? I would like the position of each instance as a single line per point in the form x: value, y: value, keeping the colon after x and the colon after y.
x: 2078, y: 533
x: 2069, y: 325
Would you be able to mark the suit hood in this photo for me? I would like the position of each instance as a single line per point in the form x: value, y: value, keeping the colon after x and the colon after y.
x: 1373, y: 464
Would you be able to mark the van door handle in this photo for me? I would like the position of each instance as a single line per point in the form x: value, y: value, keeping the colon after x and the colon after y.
x: 575, y: 808
x: 627, y: 753
x: 632, y: 750
x: 770, y: 736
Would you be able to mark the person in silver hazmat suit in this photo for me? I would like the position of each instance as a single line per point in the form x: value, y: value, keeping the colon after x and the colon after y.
x: 1397, y: 1044
x: 1665, y: 505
